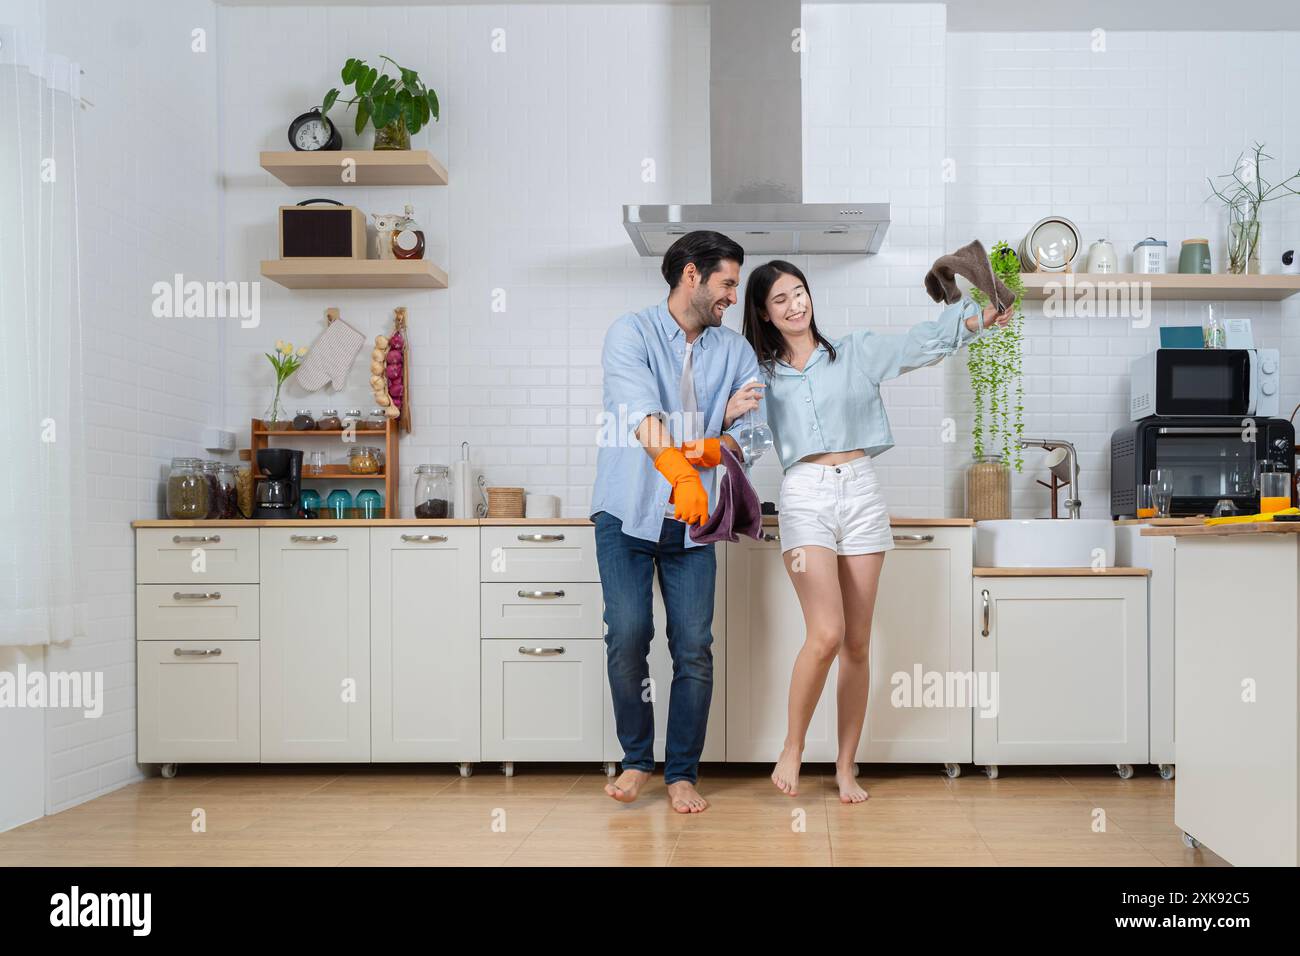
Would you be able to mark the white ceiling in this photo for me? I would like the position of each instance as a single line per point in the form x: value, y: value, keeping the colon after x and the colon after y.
x: 975, y: 15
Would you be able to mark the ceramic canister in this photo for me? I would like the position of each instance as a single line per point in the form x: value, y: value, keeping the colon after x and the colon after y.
x: 1101, y: 258
x: 1149, y: 256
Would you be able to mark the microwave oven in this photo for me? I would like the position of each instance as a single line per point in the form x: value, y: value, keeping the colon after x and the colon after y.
x: 1211, y: 459
x: 1233, y: 383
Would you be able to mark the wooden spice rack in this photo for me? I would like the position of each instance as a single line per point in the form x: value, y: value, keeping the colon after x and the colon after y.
x: 390, y: 475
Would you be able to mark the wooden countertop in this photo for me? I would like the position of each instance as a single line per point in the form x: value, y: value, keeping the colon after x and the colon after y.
x: 768, y: 521
x: 1061, y: 572
x: 1225, y: 530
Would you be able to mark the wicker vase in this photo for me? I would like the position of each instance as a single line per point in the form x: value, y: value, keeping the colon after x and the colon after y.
x: 988, y: 489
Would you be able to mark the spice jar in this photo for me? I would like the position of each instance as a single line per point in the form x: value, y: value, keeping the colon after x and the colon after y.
x: 329, y: 420
x: 352, y: 417
x: 432, y: 492
x: 302, y: 420
x: 187, y: 490
x: 364, y: 460
x: 376, y: 420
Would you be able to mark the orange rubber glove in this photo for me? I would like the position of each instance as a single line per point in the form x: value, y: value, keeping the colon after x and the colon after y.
x: 704, y: 453
x: 688, y: 495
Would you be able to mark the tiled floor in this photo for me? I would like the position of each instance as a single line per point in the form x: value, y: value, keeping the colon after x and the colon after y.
x: 394, y: 816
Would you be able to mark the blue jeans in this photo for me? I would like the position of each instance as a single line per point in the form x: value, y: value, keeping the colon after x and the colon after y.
x: 686, y: 578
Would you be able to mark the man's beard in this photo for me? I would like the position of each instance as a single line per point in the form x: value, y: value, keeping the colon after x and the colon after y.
x: 702, y: 302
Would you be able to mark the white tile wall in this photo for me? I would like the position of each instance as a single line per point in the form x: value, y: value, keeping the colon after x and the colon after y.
x: 1120, y: 142
x: 149, y: 203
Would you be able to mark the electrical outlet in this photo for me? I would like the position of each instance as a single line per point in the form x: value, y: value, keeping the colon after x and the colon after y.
x: 218, y: 440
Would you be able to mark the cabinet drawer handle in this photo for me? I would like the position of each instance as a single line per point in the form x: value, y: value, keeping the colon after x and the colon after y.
x: 314, y: 538
x: 431, y: 538
x: 196, y: 539
x: 984, y: 596
x: 771, y: 537
x: 541, y: 651
x: 541, y: 537
x: 187, y: 652
x: 913, y: 537
x: 538, y: 595
x: 200, y: 596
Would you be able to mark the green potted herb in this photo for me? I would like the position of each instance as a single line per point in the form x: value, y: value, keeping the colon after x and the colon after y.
x: 396, y: 106
x: 996, y: 361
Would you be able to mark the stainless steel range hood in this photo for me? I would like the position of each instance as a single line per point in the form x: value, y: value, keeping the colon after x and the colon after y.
x: 756, y: 147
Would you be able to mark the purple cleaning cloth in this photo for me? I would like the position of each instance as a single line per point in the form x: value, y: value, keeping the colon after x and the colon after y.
x: 737, y: 510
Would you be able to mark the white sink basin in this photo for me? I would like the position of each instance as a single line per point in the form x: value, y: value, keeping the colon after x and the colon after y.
x: 1045, y: 543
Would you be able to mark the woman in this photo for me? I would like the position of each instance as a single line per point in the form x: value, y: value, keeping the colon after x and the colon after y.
x: 823, y: 404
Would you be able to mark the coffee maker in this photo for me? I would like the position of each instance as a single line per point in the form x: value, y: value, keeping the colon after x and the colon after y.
x: 279, y: 492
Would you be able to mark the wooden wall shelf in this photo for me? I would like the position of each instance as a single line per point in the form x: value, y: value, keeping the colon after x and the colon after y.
x: 1265, y: 288
x: 354, y: 273
x: 374, y: 167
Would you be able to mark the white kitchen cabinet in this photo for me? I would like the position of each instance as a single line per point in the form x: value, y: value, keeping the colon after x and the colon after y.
x: 531, y: 552
x: 765, y: 631
x: 1070, y: 656
x: 196, y: 556
x: 424, y: 644
x: 921, y: 621
x: 921, y: 626
x: 661, y: 673
x: 542, y: 699
x: 315, y: 607
x: 227, y: 612
x: 197, y: 702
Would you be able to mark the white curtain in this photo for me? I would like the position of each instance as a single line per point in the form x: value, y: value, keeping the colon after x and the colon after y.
x: 42, y: 506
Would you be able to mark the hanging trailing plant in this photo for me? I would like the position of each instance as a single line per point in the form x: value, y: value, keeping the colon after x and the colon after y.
x: 996, y: 364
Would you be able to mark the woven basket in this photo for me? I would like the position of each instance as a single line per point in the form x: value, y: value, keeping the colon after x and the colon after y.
x: 505, y: 502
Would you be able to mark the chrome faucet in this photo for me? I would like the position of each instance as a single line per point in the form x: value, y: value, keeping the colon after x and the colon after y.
x: 1072, y: 503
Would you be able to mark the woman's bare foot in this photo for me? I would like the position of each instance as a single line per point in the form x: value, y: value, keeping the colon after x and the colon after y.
x: 850, y: 791
x: 786, y: 773
x: 684, y: 798
x: 628, y: 785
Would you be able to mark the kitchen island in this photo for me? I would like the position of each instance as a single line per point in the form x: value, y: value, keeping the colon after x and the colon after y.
x: 1237, y: 618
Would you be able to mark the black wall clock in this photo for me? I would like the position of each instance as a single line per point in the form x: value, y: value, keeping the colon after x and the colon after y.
x: 311, y: 132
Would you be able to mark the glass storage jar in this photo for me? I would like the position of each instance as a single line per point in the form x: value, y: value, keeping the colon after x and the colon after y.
x: 364, y: 460
x: 433, y: 492
x: 187, y: 490
x: 302, y: 420
x: 227, y: 502
x: 329, y: 420
x: 210, y: 471
x: 376, y: 420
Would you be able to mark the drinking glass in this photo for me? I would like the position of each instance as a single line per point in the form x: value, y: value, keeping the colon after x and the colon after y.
x: 1145, y: 509
x: 1274, y: 491
x: 315, y: 463
x: 1162, y: 490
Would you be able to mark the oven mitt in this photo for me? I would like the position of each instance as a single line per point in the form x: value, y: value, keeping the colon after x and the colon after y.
x: 737, y: 510
x: 971, y: 262
x: 330, y: 357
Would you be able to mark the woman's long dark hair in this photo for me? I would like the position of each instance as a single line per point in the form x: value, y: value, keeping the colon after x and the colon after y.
x: 765, y: 338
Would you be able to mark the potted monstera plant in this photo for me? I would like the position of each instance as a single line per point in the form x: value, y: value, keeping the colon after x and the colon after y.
x: 397, y: 106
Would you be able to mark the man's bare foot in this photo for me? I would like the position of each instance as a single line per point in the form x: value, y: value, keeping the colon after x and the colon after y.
x: 628, y: 785
x: 685, y: 798
x: 786, y: 773
x: 850, y: 791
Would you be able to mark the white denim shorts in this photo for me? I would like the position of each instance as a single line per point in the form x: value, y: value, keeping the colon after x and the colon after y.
x: 839, y: 507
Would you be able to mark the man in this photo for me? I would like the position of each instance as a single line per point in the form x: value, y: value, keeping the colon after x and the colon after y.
x: 676, y: 382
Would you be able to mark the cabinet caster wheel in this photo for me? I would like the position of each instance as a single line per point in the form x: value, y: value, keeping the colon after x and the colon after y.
x: 1125, y: 770
x: 991, y: 771
x: 169, y: 770
x: 1166, y: 771
x: 610, y: 768
x: 466, y: 770
x: 508, y: 769
x: 1190, y: 841
x: 953, y: 770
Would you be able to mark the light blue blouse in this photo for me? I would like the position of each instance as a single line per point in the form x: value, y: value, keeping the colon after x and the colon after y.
x: 835, y: 406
